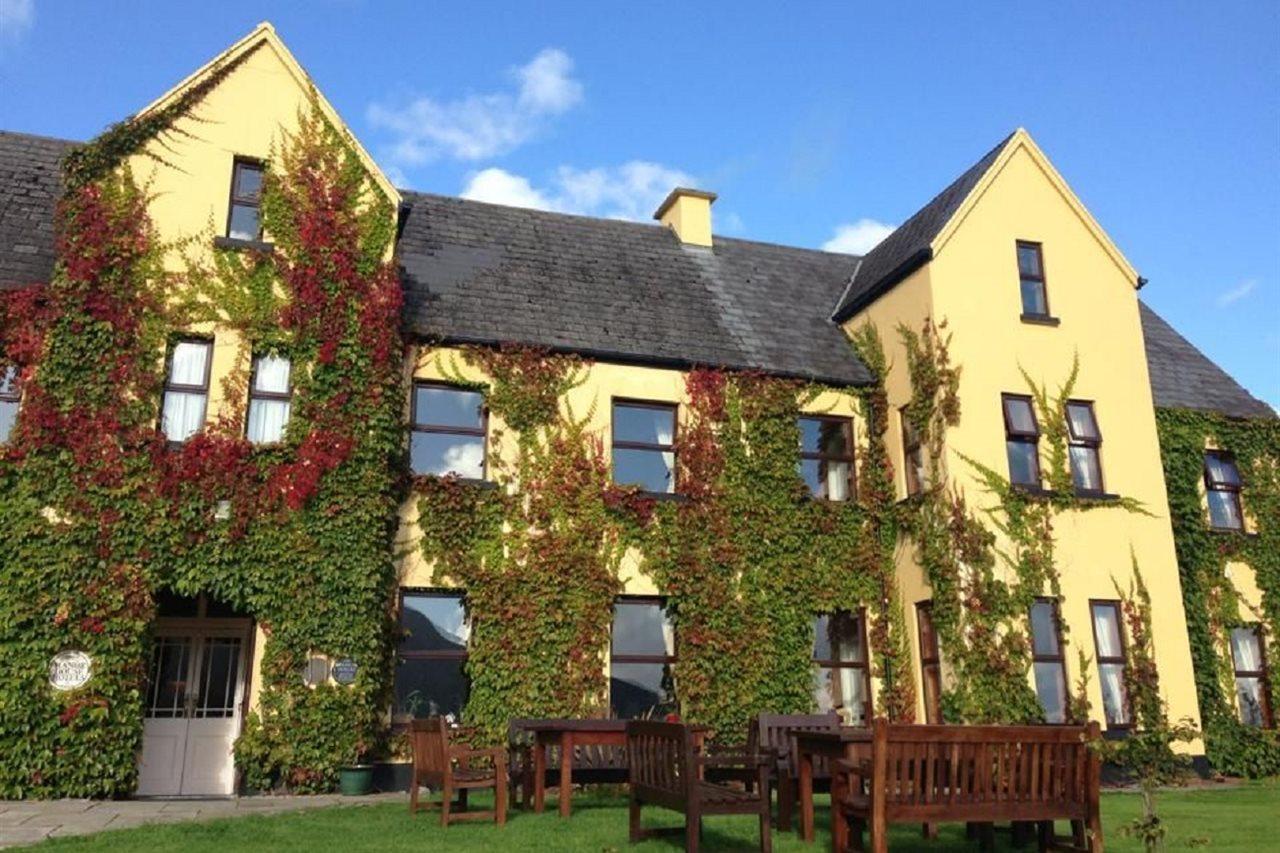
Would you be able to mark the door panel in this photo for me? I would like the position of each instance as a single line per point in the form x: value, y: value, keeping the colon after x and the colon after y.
x: 164, y: 729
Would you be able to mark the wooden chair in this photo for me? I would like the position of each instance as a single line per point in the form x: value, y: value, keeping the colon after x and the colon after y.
x: 775, y: 732
x: 972, y: 774
x: 448, y: 767
x: 667, y: 771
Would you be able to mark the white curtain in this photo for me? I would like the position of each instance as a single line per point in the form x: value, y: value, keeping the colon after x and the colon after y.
x: 1082, y: 465
x: 1246, y: 649
x: 189, y: 362
x: 271, y: 374
x: 1080, y: 418
x: 1108, y: 632
x: 837, y: 481
x: 1112, y: 677
x: 183, y: 415
x: 267, y: 420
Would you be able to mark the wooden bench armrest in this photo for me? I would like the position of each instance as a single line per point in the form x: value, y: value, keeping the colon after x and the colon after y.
x: 461, y: 752
x: 738, y: 758
x: 861, y: 767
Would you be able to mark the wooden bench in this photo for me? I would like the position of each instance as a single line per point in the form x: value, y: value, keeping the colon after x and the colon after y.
x: 667, y: 770
x: 974, y: 774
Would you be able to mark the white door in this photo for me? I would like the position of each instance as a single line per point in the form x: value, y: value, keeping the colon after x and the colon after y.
x: 193, y: 712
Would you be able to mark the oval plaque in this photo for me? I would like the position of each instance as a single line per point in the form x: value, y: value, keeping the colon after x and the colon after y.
x: 344, y: 671
x: 69, y: 670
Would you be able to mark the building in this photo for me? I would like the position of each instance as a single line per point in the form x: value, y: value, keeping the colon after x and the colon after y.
x: 652, y: 468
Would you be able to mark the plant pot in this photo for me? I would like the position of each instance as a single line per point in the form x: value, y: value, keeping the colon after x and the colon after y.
x: 355, y: 780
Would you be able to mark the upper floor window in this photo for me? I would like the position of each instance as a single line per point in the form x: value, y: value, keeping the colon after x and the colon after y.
x: 449, y: 429
x: 244, y: 219
x: 431, y: 662
x: 842, y: 678
x: 10, y: 395
x: 1084, y: 440
x: 186, y: 389
x: 912, y: 457
x: 644, y: 450
x: 1222, y: 485
x: 1048, y: 664
x: 826, y: 456
x: 930, y: 663
x: 1022, y: 440
x: 1249, y: 660
x: 1035, y: 301
x: 1108, y: 637
x: 270, y: 399
x: 642, y: 651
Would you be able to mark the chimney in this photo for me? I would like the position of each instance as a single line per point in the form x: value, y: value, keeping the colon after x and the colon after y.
x: 688, y: 213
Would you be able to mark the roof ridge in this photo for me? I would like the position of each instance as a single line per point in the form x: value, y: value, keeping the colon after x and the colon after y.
x: 42, y: 137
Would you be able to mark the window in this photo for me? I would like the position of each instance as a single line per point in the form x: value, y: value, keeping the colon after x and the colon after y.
x: 1022, y: 440
x: 826, y: 456
x: 1035, y: 300
x: 431, y: 664
x: 10, y: 396
x: 244, y: 217
x: 930, y: 663
x: 1250, y: 662
x: 1084, y: 441
x: 1222, y: 484
x: 644, y: 450
x: 449, y: 428
x: 270, y: 394
x: 642, y: 650
x: 1048, y: 665
x: 841, y: 678
x: 186, y: 389
x: 1109, y: 640
x: 912, y: 457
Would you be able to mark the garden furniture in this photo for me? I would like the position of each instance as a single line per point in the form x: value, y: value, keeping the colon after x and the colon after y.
x: 777, y: 732
x: 443, y: 764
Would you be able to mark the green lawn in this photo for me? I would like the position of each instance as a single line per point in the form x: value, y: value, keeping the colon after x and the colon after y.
x: 1244, y: 817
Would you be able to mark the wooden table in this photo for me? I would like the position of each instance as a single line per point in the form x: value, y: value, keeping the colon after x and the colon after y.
x: 849, y: 744
x: 568, y: 733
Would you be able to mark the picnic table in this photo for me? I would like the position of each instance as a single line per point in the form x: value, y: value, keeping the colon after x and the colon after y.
x: 848, y: 744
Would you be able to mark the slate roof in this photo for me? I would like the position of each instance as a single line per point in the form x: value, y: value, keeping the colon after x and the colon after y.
x: 1182, y: 377
x: 30, y: 183
x: 908, y: 247
x: 621, y: 290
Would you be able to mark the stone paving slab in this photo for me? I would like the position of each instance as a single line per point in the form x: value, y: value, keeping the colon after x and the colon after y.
x: 32, y: 821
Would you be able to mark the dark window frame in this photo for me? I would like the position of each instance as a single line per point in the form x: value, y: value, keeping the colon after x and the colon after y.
x: 275, y: 396
x: 820, y: 456
x: 860, y: 615
x: 1268, y: 716
x: 1094, y: 443
x: 1022, y: 436
x: 237, y: 162
x: 912, y: 444
x: 1234, y: 490
x: 930, y: 664
x: 441, y: 429
x: 615, y: 444
x: 436, y: 654
x: 1122, y: 660
x: 1041, y: 279
x: 1061, y: 657
x: 180, y: 388
x: 14, y: 393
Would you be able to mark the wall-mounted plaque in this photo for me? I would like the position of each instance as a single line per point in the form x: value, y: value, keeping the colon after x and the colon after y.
x: 316, y: 672
x: 344, y: 671
x: 69, y: 670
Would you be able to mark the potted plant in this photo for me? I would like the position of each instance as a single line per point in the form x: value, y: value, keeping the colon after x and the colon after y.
x: 356, y: 779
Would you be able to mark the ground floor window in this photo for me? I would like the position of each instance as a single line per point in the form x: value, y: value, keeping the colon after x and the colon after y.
x: 1249, y: 659
x: 930, y: 663
x: 642, y: 651
x: 431, y: 665
x: 1108, y: 637
x: 1047, y: 662
x: 841, y: 676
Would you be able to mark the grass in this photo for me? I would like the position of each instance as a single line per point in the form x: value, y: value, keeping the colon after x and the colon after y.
x: 1239, y: 817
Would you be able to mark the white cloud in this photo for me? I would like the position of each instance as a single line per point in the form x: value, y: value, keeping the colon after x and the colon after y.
x: 857, y: 238
x: 16, y: 17
x: 631, y: 191
x: 480, y: 125
x: 1236, y: 293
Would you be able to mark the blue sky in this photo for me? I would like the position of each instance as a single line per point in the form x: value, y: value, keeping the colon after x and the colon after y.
x: 818, y: 124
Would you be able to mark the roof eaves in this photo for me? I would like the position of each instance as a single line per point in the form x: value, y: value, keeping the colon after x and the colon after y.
x: 913, y: 262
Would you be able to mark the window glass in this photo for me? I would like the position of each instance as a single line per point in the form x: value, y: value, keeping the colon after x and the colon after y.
x: 826, y: 457
x: 1113, y: 701
x: 439, y: 406
x: 642, y: 653
x: 9, y: 397
x: 244, y: 220
x: 840, y: 674
x: 913, y: 457
x: 1106, y: 625
x: 430, y: 674
x: 428, y: 687
x: 642, y: 628
x: 1111, y: 661
x: 442, y: 454
x: 644, y: 424
x: 1086, y: 473
x: 1048, y: 666
x: 1250, y: 671
x: 1224, y: 510
x: 1221, y: 469
x: 248, y: 181
x: 1021, y: 418
x: 1034, y: 302
x: 651, y: 470
x: 1044, y: 628
x: 641, y: 690
x: 244, y: 223
x: 643, y: 446
x: 1222, y: 483
x: 838, y: 637
x: 826, y: 479
x: 189, y: 364
x: 186, y: 390
x: 449, y: 432
x: 1028, y: 259
x: 1024, y: 463
x: 269, y: 399
x: 434, y: 623
x: 930, y: 663
x: 1051, y: 690
x: 1031, y: 277
x: 1080, y: 421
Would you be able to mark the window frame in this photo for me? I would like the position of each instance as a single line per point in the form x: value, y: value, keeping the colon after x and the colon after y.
x: 931, y: 664
x: 1061, y: 657
x: 12, y: 395
x: 1022, y: 437
x: 914, y: 483
x: 1233, y: 489
x: 437, y: 654
x: 860, y: 614
x: 1093, y: 443
x: 244, y: 201
x: 178, y: 388
x: 273, y: 396
x: 851, y: 459
x: 1122, y: 660
x: 1042, y: 279
x: 616, y: 444
x: 668, y: 661
x: 1268, y: 715
x: 441, y: 429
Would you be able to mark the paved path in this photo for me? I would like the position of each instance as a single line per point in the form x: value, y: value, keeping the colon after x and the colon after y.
x: 26, y: 822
